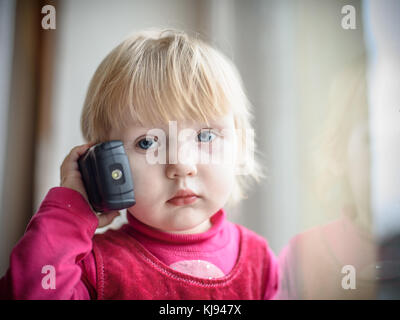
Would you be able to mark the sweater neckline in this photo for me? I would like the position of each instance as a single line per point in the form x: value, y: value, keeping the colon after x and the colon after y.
x: 217, y: 220
x: 152, y: 261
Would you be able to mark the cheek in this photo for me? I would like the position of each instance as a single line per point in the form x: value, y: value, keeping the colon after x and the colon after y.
x: 143, y: 176
x: 219, y: 179
x: 222, y: 154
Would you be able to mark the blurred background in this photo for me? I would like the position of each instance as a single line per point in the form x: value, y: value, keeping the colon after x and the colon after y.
x: 323, y: 80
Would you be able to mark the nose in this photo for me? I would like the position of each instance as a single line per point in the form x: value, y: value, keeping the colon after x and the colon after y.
x: 180, y: 170
x: 181, y: 160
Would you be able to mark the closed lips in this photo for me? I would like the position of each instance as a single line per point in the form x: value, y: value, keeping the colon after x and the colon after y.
x: 184, y: 194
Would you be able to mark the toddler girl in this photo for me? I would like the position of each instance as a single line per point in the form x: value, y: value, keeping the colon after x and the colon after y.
x: 171, y: 98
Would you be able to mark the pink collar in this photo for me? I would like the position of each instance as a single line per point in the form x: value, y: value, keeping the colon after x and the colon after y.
x: 217, y: 220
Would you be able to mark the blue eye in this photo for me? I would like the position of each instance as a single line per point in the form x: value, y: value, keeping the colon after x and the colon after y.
x: 206, y: 135
x: 146, y: 143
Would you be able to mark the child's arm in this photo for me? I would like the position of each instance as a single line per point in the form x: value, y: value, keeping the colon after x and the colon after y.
x: 44, y: 263
x: 47, y: 262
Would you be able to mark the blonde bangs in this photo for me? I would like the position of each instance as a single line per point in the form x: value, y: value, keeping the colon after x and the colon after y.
x: 155, y: 77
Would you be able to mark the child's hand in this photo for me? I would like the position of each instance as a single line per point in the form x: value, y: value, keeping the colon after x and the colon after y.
x: 71, y: 178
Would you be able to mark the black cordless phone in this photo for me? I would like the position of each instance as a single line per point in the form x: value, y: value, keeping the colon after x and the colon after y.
x: 107, y: 177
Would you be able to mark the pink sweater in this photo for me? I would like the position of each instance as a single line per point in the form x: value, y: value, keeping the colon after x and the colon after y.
x: 60, y: 236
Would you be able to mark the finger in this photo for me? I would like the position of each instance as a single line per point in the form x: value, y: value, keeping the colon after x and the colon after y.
x: 70, y: 161
x: 79, y: 151
x: 107, y: 217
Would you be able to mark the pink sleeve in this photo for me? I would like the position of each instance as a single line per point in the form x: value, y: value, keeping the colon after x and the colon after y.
x: 273, y: 277
x: 287, y: 283
x: 47, y: 261
x: 88, y: 266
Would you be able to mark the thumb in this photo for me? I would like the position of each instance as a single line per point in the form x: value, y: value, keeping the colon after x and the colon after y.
x: 106, y: 218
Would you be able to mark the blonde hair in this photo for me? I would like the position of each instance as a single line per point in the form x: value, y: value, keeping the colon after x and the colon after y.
x: 157, y: 75
x: 348, y: 107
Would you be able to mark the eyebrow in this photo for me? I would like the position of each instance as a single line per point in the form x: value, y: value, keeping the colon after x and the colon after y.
x: 165, y: 127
